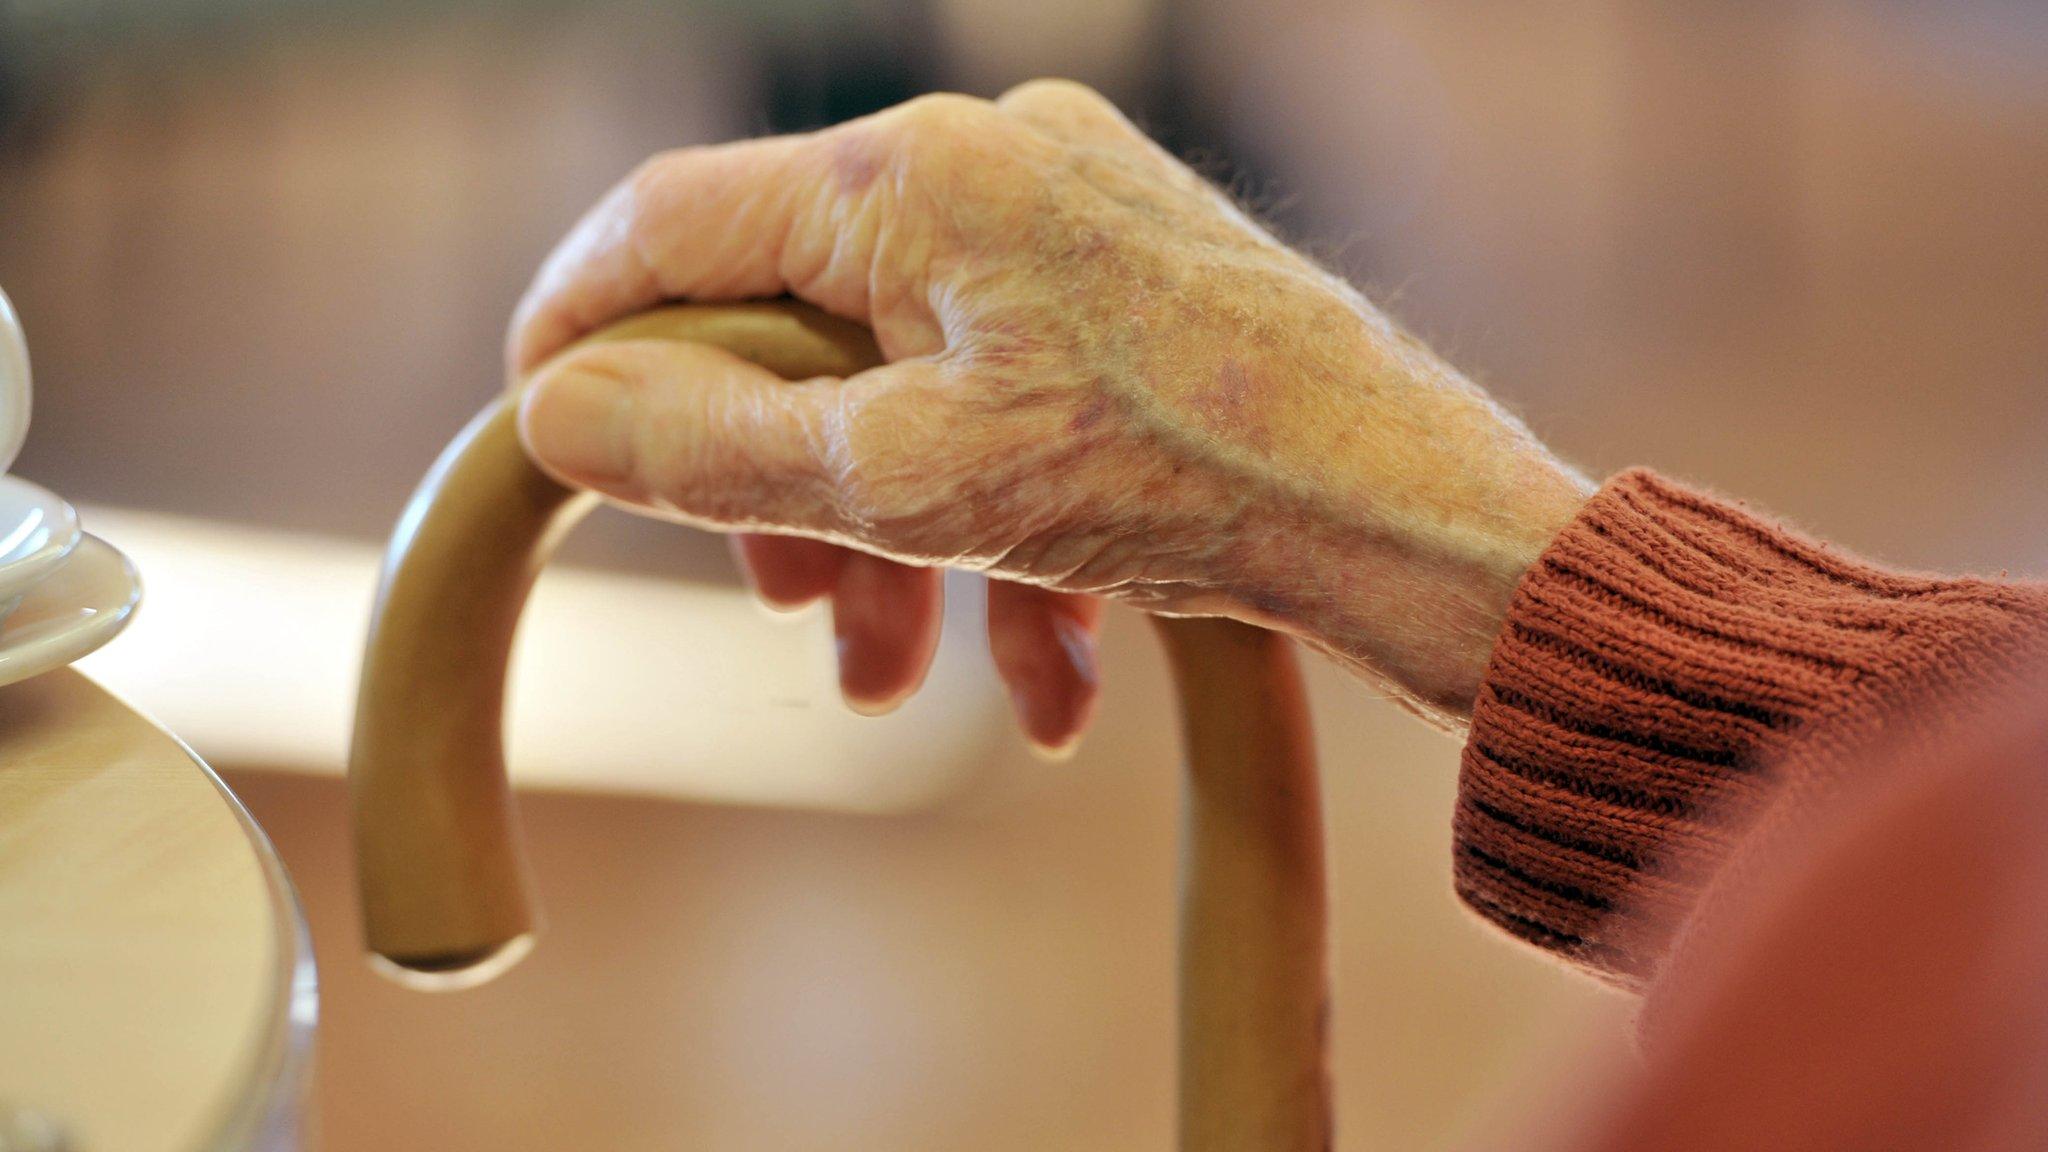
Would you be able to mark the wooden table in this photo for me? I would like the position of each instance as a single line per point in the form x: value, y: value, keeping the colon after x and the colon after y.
x: 156, y: 982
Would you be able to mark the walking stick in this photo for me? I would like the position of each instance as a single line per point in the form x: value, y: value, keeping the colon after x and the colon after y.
x: 445, y: 890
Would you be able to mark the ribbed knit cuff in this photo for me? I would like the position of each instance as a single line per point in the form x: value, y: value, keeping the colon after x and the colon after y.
x: 1665, y: 666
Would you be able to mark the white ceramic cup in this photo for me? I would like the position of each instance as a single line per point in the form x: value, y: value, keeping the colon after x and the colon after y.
x: 14, y: 390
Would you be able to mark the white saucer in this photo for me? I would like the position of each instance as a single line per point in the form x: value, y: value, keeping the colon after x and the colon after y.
x: 76, y: 609
x: 38, y: 530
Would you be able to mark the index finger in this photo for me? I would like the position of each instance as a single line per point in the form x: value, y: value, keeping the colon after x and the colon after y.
x: 803, y: 215
x: 709, y: 223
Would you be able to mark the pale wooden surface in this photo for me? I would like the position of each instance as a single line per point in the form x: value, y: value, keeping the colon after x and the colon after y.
x: 1254, y: 905
x: 155, y: 986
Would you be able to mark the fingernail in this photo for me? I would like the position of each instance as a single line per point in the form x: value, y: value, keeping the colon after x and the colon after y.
x: 858, y: 698
x: 871, y: 707
x: 1054, y: 722
x: 1050, y: 727
x: 787, y: 612
x: 780, y: 605
x: 1051, y: 753
x: 581, y: 425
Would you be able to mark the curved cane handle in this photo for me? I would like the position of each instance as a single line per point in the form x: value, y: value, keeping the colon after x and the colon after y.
x: 446, y: 894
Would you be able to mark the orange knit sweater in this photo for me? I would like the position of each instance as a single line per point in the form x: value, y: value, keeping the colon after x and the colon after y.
x: 1802, y: 800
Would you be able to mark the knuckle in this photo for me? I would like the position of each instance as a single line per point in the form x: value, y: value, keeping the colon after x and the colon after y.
x: 591, y: 371
x: 1056, y: 94
x: 941, y: 115
x: 651, y: 173
x: 640, y: 195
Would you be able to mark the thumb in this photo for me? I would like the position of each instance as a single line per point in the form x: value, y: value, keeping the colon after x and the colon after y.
x: 685, y: 431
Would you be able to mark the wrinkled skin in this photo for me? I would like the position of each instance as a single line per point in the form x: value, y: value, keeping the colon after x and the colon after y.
x: 1105, y: 381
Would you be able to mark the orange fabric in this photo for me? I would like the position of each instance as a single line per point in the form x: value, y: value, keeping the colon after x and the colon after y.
x: 1803, y: 801
x: 1883, y: 983
x: 1674, y: 669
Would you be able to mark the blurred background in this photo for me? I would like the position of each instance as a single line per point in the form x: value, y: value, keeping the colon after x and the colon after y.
x: 265, y: 250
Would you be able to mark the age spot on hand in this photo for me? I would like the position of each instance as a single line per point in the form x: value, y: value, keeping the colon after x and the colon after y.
x: 856, y: 160
x: 1232, y: 408
x: 1089, y: 415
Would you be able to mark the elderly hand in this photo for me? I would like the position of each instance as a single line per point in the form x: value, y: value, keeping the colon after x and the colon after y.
x: 1104, y: 381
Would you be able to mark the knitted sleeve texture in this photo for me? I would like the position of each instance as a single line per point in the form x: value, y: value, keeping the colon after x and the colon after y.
x: 1670, y: 667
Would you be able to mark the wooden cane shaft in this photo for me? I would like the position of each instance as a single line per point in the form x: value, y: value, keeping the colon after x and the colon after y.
x: 447, y: 899
x: 1254, y: 984
x: 445, y: 892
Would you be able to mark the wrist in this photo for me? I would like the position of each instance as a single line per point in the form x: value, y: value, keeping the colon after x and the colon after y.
x: 1417, y: 612
x: 1448, y: 588
x: 1432, y: 505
